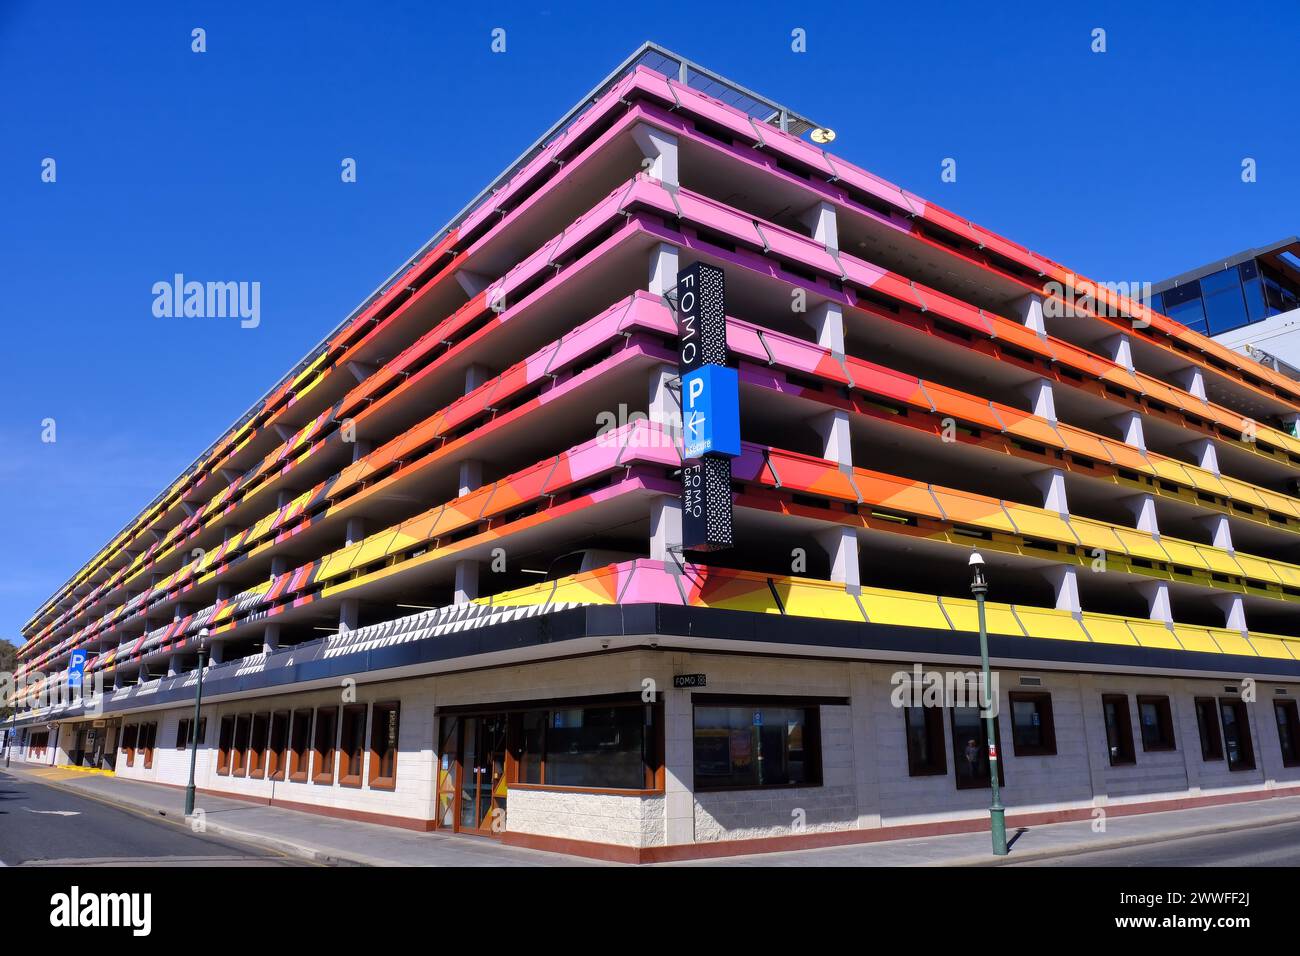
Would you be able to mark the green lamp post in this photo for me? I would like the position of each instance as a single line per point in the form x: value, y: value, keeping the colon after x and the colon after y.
x: 979, y: 586
x: 194, y: 725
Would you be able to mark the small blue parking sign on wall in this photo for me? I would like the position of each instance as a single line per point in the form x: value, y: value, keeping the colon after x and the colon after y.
x: 76, y: 668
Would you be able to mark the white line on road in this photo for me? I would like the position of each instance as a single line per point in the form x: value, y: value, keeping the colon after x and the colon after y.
x: 55, y: 813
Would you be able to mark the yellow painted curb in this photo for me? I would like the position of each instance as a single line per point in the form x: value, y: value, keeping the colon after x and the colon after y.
x: 107, y: 773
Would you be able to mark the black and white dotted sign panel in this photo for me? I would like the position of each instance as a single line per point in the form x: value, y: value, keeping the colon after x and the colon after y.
x: 706, y: 504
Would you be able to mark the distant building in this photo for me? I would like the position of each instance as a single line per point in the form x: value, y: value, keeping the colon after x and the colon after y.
x: 1250, y: 302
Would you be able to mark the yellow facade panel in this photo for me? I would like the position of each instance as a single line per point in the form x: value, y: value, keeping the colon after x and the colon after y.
x: 1106, y: 629
x: 902, y: 608
x: 1050, y: 624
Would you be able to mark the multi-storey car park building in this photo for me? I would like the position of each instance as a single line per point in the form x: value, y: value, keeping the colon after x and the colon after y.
x: 467, y: 501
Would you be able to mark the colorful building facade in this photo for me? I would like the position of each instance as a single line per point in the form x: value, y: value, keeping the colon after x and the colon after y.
x: 438, y: 570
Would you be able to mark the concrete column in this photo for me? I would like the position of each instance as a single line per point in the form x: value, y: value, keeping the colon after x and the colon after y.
x: 1291, y: 425
x: 1192, y: 379
x: 1220, y: 531
x: 663, y: 404
x: 1065, y: 584
x: 866, y: 776
x: 471, y: 476
x: 271, y: 638
x: 216, y: 653
x: 841, y: 546
x: 660, y: 148
x: 361, y: 370
x: 1119, y: 349
x: 472, y: 283
x: 833, y: 429
x: 1143, y: 508
x: 279, y: 565
x: 284, y: 496
x: 466, y: 587
x: 665, y: 529
x: 1157, y: 595
x: 662, y: 275
x: 827, y: 321
x: 1042, y: 400
x: 1233, y: 607
x: 1129, y: 425
x: 822, y: 225
x: 175, y: 665
x: 1029, y: 310
x: 356, y: 530
x: 1052, y: 485
x: 349, y: 615
x: 475, y: 376
x: 361, y: 448
x: 679, y: 762
x: 1205, y: 455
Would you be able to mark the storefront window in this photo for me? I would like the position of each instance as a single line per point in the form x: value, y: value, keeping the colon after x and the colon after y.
x: 596, y: 747
x: 755, y: 746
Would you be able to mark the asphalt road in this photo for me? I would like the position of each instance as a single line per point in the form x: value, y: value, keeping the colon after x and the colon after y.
x: 44, y: 825
x: 1275, y: 845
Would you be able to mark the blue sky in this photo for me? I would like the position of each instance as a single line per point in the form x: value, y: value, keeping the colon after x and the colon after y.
x: 225, y: 165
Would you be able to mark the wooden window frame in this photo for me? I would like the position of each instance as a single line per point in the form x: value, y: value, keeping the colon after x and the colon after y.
x: 299, y: 765
x: 935, y: 734
x: 147, y: 744
x: 1164, y: 720
x: 275, y: 755
x: 322, y: 761
x: 1129, y: 757
x: 256, y: 758
x: 1046, y: 726
x: 378, y: 710
x: 225, y: 743
x: 350, y: 776
x: 1243, y: 721
x: 130, y: 737
x: 239, y: 748
x: 1293, y: 723
x: 1215, y: 732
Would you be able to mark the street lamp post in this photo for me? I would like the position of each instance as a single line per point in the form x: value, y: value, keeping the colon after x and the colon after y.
x: 194, y: 724
x: 979, y: 586
x: 13, y: 729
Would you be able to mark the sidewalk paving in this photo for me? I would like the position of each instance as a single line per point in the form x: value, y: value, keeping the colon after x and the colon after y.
x: 331, y: 840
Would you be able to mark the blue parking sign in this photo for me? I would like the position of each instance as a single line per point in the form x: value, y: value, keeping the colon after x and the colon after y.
x: 76, y: 668
x: 711, y: 412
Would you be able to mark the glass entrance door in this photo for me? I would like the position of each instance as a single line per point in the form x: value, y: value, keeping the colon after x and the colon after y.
x: 485, y: 767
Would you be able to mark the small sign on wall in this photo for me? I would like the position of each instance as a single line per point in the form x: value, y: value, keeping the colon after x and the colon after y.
x: 690, y: 680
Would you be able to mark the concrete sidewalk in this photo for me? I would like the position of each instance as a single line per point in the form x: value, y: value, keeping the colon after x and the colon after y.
x: 333, y: 841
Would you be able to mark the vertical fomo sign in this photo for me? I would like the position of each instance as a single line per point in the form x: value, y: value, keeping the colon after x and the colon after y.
x: 710, y: 408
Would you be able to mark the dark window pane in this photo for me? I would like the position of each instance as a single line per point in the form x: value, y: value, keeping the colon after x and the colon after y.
x: 970, y: 748
x: 596, y: 747
x: 758, y: 746
x: 1225, y: 305
x: 1183, y: 303
x: 1236, y: 735
x: 1207, y: 723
